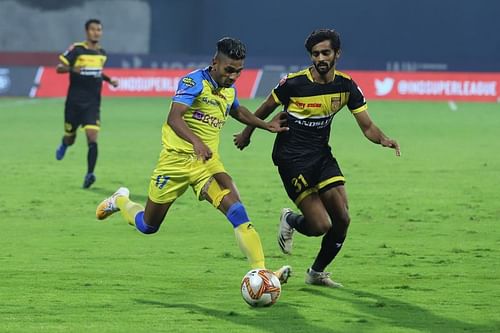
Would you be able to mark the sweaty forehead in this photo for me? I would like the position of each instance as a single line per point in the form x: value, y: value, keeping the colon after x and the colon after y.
x: 324, y: 45
x: 225, y: 61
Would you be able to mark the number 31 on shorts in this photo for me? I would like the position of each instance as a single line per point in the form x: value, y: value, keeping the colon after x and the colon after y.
x: 299, y: 183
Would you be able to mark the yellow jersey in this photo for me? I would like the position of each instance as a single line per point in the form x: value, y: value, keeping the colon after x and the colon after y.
x: 209, y: 107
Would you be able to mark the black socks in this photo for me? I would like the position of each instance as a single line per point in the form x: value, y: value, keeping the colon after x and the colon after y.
x: 92, y: 157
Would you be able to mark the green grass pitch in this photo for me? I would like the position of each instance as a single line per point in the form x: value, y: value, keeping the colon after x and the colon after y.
x: 420, y: 254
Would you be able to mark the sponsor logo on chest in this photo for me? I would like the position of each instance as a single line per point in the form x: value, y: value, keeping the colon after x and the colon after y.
x: 208, y: 119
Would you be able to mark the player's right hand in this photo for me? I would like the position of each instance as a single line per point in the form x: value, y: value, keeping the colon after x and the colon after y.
x: 390, y: 143
x: 202, y: 151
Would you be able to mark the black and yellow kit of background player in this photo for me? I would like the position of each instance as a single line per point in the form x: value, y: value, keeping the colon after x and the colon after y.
x: 83, y: 101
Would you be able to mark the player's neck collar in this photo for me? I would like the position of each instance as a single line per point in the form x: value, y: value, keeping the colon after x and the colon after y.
x: 90, y: 46
x: 206, y: 71
x: 310, y: 76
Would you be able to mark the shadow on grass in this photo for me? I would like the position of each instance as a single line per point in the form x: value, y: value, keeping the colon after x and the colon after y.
x: 102, y: 193
x: 396, y: 313
x: 279, y: 319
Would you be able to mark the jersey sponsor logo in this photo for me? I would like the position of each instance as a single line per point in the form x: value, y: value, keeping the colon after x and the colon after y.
x: 208, y: 119
x: 301, y: 105
x: 316, y: 123
x: 212, y: 102
x: 189, y: 82
x: 94, y: 72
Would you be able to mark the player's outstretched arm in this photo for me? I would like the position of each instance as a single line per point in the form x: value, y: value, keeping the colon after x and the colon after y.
x: 243, y: 115
x: 181, y: 128
x: 373, y: 133
x: 241, y: 140
x: 109, y: 80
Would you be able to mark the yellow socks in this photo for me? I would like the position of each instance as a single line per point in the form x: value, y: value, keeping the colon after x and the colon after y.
x: 249, y: 241
x: 128, y: 209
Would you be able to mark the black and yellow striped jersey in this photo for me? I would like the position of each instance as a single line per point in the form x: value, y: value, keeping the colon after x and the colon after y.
x: 310, y: 108
x: 84, y: 87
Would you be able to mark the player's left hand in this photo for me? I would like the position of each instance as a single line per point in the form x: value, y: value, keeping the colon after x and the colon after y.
x: 241, y: 140
x: 389, y: 143
x: 114, y: 83
x: 278, y: 123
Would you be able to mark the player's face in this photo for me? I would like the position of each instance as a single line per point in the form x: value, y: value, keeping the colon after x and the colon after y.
x: 323, y: 57
x: 94, y: 32
x: 226, y: 71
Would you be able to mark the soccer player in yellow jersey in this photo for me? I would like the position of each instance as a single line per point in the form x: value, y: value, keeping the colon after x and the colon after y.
x: 84, y: 62
x: 203, y: 101
x: 310, y: 174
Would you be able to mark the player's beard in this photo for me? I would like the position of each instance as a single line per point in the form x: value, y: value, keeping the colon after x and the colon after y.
x: 324, y: 67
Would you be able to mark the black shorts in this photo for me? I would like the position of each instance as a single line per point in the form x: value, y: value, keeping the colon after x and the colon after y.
x: 302, y: 178
x: 85, y: 115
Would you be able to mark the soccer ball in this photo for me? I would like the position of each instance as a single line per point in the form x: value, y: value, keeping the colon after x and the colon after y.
x: 260, y: 287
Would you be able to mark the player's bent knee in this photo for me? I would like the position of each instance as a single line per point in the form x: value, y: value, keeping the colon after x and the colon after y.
x: 237, y: 214
x: 343, y: 220
x: 323, y: 229
x: 142, y: 226
x: 347, y: 220
x: 319, y: 229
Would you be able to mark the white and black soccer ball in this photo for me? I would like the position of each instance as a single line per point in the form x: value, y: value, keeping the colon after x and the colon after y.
x: 260, y: 287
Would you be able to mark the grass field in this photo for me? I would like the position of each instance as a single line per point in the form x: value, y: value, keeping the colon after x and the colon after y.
x: 420, y: 255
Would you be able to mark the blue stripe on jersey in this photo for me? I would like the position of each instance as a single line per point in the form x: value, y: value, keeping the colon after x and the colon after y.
x: 190, y: 87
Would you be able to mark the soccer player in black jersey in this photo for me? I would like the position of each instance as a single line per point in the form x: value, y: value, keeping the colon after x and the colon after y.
x: 311, y: 175
x: 84, y: 62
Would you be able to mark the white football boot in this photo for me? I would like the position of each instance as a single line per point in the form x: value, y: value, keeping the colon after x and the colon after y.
x: 321, y: 279
x: 108, y: 206
x: 285, y: 232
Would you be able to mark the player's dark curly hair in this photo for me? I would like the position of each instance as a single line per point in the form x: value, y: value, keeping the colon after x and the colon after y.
x: 90, y: 21
x: 232, y: 47
x: 320, y: 35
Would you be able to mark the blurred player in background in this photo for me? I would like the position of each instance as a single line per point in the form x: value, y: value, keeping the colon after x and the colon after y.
x: 189, y: 158
x: 310, y: 174
x: 84, y: 62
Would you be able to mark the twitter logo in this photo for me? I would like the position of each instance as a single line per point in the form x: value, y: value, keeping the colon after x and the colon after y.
x: 383, y: 87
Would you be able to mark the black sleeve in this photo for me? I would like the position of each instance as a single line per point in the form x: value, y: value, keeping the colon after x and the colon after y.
x: 281, y: 93
x: 69, y: 56
x: 356, y: 98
